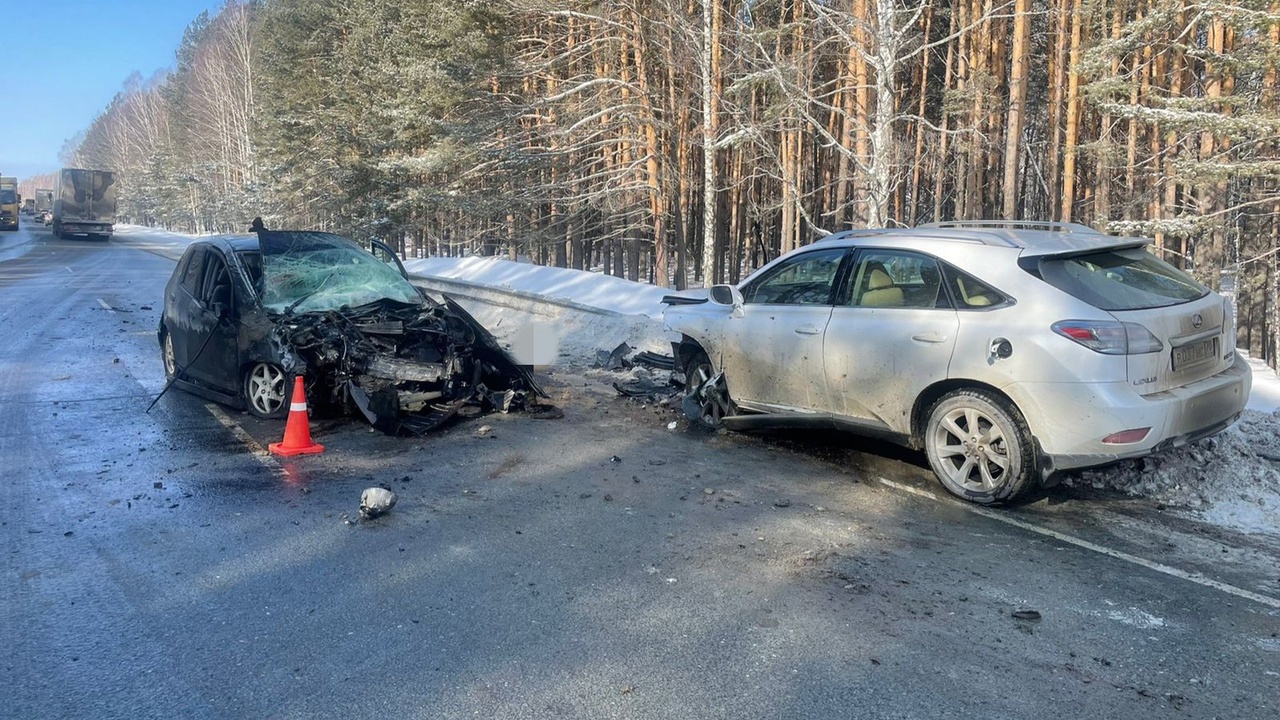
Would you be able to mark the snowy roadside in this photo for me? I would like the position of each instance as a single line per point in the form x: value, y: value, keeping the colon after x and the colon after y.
x: 553, y: 316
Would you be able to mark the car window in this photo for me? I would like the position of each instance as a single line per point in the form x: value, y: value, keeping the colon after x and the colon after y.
x: 885, y: 278
x: 195, y: 272
x: 252, y: 263
x: 969, y: 292
x: 803, y: 279
x: 1132, y: 279
x: 217, y: 281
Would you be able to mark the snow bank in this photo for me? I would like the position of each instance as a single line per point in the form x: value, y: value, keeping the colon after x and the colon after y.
x: 1232, y: 480
x: 597, y: 290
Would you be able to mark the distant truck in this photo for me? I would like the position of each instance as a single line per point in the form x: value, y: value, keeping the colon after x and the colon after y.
x: 9, y: 203
x: 29, y: 205
x: 44, y: 201
x: 84, y: 203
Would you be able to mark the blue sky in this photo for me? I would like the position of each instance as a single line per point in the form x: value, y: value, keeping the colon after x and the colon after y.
x: 66, y: 59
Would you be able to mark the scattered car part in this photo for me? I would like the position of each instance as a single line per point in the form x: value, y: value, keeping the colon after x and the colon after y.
x: 376, y: 501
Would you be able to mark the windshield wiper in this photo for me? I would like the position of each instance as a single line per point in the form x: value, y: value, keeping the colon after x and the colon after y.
x: 289, y: 310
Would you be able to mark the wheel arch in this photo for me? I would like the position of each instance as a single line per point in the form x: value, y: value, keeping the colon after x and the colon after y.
x: 687, y: 349
x: 1045, y: 468
x: 935, y: 392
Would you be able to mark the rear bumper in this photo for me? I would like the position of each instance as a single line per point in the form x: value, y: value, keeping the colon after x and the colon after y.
x: 1070, y: 420
x: 86, y: 228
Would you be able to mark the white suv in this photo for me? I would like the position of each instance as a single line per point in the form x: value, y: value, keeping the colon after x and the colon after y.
x: 1006, y: 351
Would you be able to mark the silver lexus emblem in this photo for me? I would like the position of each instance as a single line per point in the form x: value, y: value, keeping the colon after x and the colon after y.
x: 1196, y: 320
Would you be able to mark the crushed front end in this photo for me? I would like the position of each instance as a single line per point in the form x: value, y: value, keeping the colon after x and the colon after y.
x: 408, y: 368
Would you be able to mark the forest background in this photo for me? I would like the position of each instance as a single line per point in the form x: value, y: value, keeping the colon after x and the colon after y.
x: 610, y: 135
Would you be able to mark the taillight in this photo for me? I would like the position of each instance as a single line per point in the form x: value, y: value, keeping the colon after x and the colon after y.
x: 1109, y: 337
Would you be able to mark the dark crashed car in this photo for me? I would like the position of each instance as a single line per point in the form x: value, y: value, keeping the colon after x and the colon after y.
x: 244, y: 314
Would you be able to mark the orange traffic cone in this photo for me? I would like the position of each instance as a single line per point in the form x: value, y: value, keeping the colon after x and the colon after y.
x: 297, y: 431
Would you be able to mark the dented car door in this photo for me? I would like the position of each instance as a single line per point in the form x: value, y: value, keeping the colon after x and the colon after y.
x: 773, y: 353
x: 891, y: 334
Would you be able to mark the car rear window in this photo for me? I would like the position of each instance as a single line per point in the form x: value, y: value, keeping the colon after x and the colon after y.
x: 1128, y: 279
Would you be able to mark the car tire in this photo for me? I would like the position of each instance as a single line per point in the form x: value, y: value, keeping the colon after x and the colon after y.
x: 167, y: 356
x: 705, y: 405
x: 265, y: 390
x: 980, y: 447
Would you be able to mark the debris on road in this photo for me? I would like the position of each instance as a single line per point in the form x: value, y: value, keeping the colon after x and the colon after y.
x: 545, y: 412
x: 615, y: 359
x: 376, y: 501
x: 1027, y: 614
x: 654, y: 360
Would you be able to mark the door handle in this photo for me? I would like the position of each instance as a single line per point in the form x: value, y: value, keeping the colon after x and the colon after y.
x: 929, y: 338
x: 807, y: 330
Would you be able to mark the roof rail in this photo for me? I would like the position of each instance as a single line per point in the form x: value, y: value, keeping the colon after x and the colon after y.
x: 1014, y: 224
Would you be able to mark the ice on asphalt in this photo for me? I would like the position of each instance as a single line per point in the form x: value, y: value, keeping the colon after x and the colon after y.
x: 1231, y: 480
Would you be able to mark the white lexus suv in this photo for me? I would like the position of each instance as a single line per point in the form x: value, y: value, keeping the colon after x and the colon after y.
x: 1006, y: 351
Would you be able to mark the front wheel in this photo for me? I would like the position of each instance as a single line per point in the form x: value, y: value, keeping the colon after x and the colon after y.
x: 265, y: 385
x: 980, y: 447
x: 706, y: 395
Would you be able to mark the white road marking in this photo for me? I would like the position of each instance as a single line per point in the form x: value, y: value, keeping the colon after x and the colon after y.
x: 255, y: 448
x: 1100, y: 549
x: 104, y: 304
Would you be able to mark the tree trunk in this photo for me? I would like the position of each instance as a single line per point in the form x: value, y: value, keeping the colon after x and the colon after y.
x: 1073, y: 116
x: 1017, y: 105
x: 710, y: 38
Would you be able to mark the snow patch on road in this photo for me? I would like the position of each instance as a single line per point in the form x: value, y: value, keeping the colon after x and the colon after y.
x: 1137, y: 618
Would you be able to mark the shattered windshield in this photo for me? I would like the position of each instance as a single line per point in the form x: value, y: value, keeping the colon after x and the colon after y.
x: 314, y: 271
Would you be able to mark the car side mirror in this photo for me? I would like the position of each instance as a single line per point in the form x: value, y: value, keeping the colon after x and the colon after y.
x: 727, y: 295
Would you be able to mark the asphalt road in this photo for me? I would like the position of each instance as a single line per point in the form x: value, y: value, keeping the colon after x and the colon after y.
x: 595, y: 566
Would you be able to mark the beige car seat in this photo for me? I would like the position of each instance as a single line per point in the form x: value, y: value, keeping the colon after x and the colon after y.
x: 881, y: 292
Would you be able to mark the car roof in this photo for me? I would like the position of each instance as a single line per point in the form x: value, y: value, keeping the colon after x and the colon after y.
x: 234, y: 243
x: 1028, y: 238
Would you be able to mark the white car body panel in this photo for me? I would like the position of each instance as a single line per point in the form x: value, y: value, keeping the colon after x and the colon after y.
x: 774, y: 355
x: 879, y: 359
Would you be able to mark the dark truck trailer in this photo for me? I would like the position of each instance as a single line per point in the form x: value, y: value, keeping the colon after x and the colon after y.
x: 84, y: 203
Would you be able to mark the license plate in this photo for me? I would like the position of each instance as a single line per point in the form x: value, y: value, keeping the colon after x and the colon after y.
x: 1189, y: 355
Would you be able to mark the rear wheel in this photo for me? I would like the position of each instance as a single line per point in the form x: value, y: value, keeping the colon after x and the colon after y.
x: 706, y: 394
x: 980, y: 447
x: 264, y: 390
x: 166, y: 356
